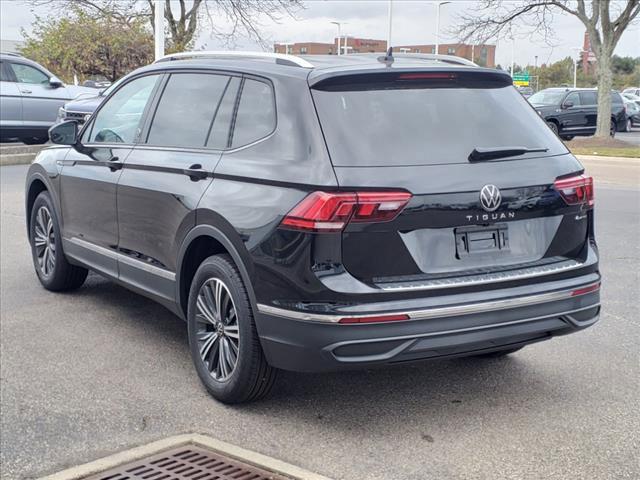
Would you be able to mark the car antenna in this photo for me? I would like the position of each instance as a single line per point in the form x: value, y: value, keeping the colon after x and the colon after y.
x: 388, y: 58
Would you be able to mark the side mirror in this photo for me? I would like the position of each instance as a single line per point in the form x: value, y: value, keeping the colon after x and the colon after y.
x: 55, y: 82
x: 65, y: 133
x: 567, y: 105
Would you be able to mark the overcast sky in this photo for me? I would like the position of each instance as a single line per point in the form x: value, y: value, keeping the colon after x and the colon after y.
x: 413, y: 23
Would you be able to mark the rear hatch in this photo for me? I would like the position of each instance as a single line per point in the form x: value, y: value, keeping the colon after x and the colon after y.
x: 415, y: 131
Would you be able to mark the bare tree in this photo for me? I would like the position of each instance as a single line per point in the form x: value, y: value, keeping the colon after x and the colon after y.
x: 496, y: 18
x: 185, y: 18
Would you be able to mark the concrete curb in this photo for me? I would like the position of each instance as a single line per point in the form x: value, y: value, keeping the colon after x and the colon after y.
x: 16, y: 159
x: 600, y: 158
x: 248, y: 456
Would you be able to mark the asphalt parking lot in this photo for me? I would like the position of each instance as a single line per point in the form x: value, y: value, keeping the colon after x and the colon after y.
x: 86, y: 374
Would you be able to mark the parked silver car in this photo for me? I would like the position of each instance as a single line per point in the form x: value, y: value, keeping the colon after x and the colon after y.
x: 30, y: 97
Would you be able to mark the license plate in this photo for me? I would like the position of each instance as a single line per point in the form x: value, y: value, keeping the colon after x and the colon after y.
x: 479, y: 240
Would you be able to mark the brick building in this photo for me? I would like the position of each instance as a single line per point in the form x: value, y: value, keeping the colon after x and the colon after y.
x: 306, y: 48
x: 483, y: 55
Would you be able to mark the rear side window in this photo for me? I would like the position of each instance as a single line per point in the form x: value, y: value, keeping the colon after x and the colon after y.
x: 186, y: 110
x: 428, y: 126
x: 616, y: 98
x: 256, y: 117
x: 219, y: 135
x: 4, y: 73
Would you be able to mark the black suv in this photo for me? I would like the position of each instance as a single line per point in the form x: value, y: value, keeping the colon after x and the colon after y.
x: 321, y: 213
x: 571, y: 112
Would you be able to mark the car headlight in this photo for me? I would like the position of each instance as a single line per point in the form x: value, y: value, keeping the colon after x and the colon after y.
x: 62, y: 113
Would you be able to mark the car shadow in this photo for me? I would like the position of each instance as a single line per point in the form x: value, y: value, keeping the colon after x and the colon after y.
x: 430, y: 391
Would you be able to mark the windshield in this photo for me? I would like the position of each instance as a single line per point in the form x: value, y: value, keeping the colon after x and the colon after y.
x: 546, y: 97
x: 427, y: 126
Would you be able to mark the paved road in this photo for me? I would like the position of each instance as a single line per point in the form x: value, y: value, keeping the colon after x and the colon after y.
x: 632, y: 137
x: 88, y: 373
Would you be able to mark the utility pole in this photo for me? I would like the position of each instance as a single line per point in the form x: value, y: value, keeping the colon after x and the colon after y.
x: 390, y: 16
x: 339, y: 24
x: 513, y: 55
x: 438, y: 25
x: 158, y: 32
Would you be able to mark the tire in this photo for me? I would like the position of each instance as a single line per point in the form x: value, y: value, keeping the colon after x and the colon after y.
x: 214, y: 343
x: 499, y: 353
x: 54, y: 271
x: 613, y: 129
x: 567, y: 137
x: 554, y: 127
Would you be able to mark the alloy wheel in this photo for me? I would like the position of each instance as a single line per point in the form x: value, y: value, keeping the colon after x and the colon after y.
x: 44, y: 240
x: 217, y: 331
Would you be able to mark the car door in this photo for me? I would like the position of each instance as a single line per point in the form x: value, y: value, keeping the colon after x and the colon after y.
x: 573, y: 118
x: 40, y: 101
x: 10, y: 102
x: 589, y: 100
x: 167, y: 173
x: 90, y: 174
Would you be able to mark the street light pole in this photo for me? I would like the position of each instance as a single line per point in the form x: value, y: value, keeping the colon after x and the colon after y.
x: 575, y: 66
x: 438, y: 25
x: 158, y: 31
x: 390, y: 14
x: 513, y: 55
x: 339, y: 34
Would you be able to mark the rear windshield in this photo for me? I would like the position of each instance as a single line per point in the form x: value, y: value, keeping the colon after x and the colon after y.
x: 428, y: 126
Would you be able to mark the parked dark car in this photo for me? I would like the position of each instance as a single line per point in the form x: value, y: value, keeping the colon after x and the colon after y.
x: 571, y: 112
x: 320, y: 213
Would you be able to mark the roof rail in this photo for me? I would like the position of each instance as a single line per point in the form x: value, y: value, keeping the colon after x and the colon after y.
x: 12, y: 54
x: 437, y: 58
x: 280, y: 58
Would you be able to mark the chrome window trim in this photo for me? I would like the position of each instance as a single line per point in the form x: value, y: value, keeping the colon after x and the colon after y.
x: 436, y: 312
x: 121, y: 257
x: 481, y: 279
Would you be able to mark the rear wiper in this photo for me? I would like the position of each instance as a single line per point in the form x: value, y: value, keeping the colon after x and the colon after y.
x: 491, y: 153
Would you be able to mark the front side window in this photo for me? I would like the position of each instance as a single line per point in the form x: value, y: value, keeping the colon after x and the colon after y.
x: 186, y: 110
x: 573, y: 98
x: 28, y: 74
x: 256, y: 117
x: 118, y: 121
x: 588, y: 98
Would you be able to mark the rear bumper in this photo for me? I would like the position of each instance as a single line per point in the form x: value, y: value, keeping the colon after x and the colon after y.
x: 299, y: 341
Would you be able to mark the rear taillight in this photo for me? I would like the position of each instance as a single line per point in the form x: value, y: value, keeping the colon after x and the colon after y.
x: 576, y: 190
x: 330, y: 212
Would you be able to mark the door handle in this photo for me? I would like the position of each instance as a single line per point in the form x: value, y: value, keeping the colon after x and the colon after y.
x: 25, y: 91
x: 195, y: 172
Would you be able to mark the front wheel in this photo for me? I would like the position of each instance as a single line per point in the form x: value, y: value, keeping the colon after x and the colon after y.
x: 223, y: 340
x: 612, y: 129
x: 553, y: 126
x: 54, y: 271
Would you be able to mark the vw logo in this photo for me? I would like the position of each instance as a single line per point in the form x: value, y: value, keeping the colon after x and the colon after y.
x: 490, y: 198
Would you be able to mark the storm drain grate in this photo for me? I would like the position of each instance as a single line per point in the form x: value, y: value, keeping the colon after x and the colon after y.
x: 187, y: 463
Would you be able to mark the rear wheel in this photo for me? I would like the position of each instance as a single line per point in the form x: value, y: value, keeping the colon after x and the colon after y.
x: 223, y: 340
x: 612, y: 129
x: 53, y: 270
x: 567, y: 137
x: 553, y: 126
